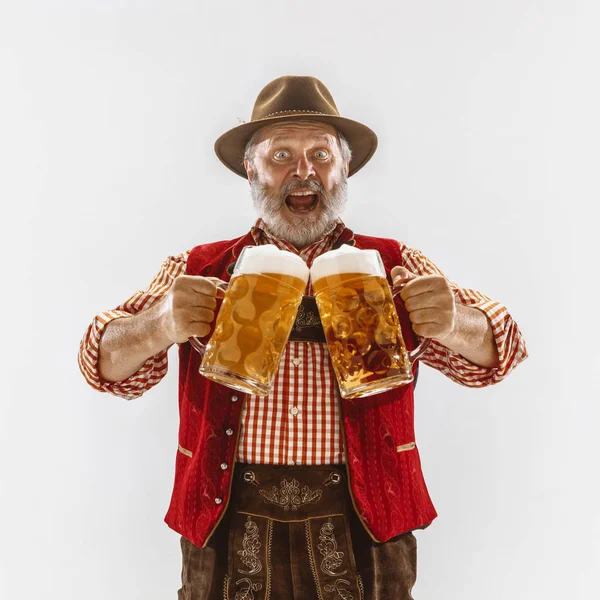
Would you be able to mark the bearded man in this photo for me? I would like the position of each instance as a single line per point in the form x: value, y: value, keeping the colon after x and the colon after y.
x: 296, y: 494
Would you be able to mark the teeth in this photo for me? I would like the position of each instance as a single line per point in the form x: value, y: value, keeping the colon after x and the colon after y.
x: 302, y: 194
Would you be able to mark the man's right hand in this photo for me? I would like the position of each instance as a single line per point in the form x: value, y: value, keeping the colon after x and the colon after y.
x: 188, y: 308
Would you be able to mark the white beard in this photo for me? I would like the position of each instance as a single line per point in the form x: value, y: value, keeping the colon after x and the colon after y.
x: 299, y: 231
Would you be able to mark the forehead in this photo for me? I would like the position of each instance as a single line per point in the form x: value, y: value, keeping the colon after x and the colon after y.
x: 299, y: 131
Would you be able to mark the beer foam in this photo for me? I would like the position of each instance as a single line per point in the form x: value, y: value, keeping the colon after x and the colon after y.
x: 347, y: 259
x: 269, y: 259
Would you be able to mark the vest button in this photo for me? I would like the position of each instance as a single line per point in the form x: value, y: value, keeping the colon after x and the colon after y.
x: 234, y: 398
x: 218, y: 500
x: 229, y: 431
x: 224, y: 466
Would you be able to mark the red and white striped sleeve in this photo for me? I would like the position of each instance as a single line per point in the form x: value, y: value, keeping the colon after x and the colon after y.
x: 510, y: 342
x: 155, y: 368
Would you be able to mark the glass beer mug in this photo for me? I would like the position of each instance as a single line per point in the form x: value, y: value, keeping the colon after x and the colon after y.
x: 255, y: 319
x: 360, y: 321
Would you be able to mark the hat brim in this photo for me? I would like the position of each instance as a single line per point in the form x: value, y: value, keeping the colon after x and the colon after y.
x: 231, y: 145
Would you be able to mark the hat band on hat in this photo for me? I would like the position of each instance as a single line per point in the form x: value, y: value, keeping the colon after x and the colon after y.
x: 294, y: 112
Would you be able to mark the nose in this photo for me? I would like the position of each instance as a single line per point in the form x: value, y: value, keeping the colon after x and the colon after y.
x: 303, y: 168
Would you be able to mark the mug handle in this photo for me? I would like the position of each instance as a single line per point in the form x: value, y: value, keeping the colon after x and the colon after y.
x: 420, y: 349
x: 195, y: 342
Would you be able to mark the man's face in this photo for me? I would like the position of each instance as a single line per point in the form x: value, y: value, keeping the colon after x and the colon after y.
x: 298, y: 180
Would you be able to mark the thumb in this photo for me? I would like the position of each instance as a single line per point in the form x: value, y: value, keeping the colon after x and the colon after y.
x: 401, y: 274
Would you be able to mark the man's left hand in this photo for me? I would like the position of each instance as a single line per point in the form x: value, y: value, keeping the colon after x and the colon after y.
x: 429, y: 301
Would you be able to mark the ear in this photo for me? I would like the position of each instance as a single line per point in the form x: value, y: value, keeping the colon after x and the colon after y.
x: 249, y: 170
x: 347, y: 168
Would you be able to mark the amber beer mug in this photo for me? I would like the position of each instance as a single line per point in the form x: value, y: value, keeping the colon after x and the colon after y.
x: 255, y: 319
x: 361, y: 325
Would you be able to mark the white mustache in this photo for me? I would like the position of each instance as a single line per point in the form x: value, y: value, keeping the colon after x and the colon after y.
x: 312, y: 185
x: 303, y: 231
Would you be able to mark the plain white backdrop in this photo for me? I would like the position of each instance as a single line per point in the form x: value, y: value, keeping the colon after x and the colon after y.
x: 487, y: 116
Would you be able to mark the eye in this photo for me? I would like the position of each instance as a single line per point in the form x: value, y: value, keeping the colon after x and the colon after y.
x: 321, y: 154
x: 281, y: 154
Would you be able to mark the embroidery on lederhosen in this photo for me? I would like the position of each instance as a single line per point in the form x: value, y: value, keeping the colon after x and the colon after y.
x: 249, y: 556
x: 248, y: 592
x: 290, y: 496
x: 332, y: 557
x: 335, y: 586
x: 332, y: 560
x: 251, y: 545
x: 306, y: 319
x: 307, y: 326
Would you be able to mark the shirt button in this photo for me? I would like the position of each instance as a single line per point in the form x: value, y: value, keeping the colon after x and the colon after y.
x: 218, y: 500
x: 294, y: 410
x: 296, y: 361
x: 229, y: 431
x: 291, y: 462
x: 234, y: 398
x: 224, y: 466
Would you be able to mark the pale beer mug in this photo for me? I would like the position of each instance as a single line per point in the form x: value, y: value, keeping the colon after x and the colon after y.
x: 255, y: 319
x: 362, y: 328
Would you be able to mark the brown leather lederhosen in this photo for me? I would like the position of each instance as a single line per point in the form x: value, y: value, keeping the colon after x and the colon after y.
x: 270, y: 498
x: 290, y: 532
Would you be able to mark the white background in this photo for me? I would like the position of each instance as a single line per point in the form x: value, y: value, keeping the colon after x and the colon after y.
x: 487, y: 116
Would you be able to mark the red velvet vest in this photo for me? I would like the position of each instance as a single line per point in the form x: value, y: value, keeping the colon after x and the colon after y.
x: 384, y: 470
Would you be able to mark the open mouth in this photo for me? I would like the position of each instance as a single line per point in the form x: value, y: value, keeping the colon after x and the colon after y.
x: 302, y: 202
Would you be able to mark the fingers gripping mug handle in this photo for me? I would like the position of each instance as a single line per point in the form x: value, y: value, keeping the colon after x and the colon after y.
x: 197, y: 345
x: 195, y: 342
x: 415, y: 354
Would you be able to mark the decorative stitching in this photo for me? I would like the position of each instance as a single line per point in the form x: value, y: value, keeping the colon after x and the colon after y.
x: 291, y: 496
x: 251, y: 545
x: 311, y: 559
x: 287, y: 520
x: 247, y: 593
x: 333, y: 557
x: 269, y: 564
x: 343, y: 594
x: 226, y: 588
x: 306, y: 319
x: 361, y: 587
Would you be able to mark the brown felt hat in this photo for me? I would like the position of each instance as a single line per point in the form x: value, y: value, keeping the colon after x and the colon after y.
x: 293, y: 98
